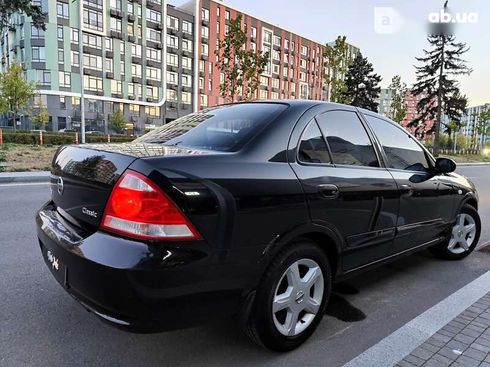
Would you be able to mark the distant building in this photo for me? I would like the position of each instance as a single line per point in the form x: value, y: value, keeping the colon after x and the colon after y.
x: 424, y: 129
x: 469, y: 120
x: 384, y: 101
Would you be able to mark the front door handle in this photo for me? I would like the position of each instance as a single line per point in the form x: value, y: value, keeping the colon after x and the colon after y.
x: 328, y: 191
x: 406, y: 189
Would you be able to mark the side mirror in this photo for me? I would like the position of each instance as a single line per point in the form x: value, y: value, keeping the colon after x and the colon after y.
x: 445, y: 165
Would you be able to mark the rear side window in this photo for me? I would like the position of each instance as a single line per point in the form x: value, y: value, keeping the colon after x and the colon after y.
x: 312, y: 147
x: 225, y: 128
x: 347, y: 139
x: 400, y: 148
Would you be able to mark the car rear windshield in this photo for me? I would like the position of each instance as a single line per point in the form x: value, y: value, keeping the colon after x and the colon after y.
x: 225, y: 128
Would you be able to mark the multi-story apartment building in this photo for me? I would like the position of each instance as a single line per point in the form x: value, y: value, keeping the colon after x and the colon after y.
x: 126, y: 47
x: 153, y: 61
x: 469, y: 123
x: 295, y: 67
x: 384, y: 102
x: 423, y: 129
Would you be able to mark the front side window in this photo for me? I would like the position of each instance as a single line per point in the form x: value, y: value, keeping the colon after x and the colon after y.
x: 312, y: 147
x: 348, y: 140
x: 400, y: 148
x: 225, y: 128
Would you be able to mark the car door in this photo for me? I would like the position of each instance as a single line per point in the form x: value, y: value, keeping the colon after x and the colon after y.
x: 425, y: 203
x: 346, y: 188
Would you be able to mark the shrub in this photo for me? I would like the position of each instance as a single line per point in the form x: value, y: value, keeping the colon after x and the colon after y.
x: 32, y: 138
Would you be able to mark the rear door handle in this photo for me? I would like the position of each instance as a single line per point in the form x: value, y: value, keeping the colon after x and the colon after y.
x: 328, y: 191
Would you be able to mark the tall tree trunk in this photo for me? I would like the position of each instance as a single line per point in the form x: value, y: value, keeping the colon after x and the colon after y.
x: 439, y: 102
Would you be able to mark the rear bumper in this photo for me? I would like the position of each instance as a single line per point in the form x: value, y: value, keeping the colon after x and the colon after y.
x: 139, y: 286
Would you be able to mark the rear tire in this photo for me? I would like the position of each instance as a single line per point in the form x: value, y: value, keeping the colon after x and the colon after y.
x: 291, y: 298
x: 464, y: 237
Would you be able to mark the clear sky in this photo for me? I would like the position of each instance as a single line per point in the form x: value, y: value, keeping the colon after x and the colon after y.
x: 393, y: 52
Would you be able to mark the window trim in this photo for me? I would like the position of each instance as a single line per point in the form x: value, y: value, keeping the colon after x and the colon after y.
x: 430, y: 158
x: 303, y: 131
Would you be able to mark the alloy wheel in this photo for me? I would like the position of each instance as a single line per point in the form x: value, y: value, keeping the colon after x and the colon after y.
x: 463, y: 234
x: 298, y: 297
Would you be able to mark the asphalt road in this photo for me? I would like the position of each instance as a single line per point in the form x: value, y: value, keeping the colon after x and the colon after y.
x: 40, y: 325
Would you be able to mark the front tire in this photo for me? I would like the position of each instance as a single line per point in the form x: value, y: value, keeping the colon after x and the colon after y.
x: 464, y: 236
x: 291, y: 299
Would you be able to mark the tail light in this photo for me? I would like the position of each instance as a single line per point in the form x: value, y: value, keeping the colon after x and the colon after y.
x: 138, y: 208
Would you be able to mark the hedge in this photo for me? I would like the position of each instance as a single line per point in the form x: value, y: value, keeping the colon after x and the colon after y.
x: 59, y: 138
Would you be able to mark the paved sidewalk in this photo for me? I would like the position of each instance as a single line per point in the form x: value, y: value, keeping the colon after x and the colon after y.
x: 465, y: 341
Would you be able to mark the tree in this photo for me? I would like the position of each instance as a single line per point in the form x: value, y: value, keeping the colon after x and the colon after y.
x: 440, y: 92
x: 10, y: 7
x: 482, y: 128
x: 398, y: 108
x: 241, y: 67
x: 15, y: 91
x: 42, y: 118
x: 118, y: 121
x: 362, y: 84
x: 337, y: 61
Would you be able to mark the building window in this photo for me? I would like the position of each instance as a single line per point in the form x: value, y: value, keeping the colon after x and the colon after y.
x: 205, y: 14
x: 227, y: 14
x: 153, y: 16
x: 136, y: 50
x: 277, y: 40
x: 37, y: 32
x: 171, y: 95
x: 172, y: 60
x: 172, y: 41
x: 275, y: 83
x: 186, y: 97
x: 205, y: 32
x: 152, y: 111
x: 92, y: 83
x: 153, y: 73
x: 134, y: 108
x: 186, y: 63
x: 116, y: 25
x: 74, y: 35
x: 38, y: 54
x: 60, y: 33
x: 201, y: 66
x: 187, y: 27
x: 254, y: 32
x: 172, y: 77
x: 75, y: 58
x: 267, y: 37
x: 286, y: 44
x: 116, y: 4
x: 43, y: 77
x: 204, y: 49
x: 94, y: 3
x: 63, y: 102
x: 62, y: 10
x: 108, y: 44
x: 204, y: 100
x: 151, y: 92
x: 92, y: 40
x: 109, y: 65
x: 93, y: 19
x: 153, y: 35
x: 263, y: 94
x: 186, y: 80
x: 65, y: 79
x: 61, y: 56
x: 187, y: 45
x: 116, y: 87
x: 153, y: 54
x: 92, y: 62
x: 136, y: 70
x: 123, y: 68
x: 304, y: 50
x: 172, y: 22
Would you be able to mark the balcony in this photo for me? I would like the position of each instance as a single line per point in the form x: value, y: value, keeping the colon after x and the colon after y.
x: 131, y: 38
x: 116, y: 34
x: 131, y: 18
x: 187, y: 71
x: 172, y: 86
x: 172, y: 104
x: 187, y: 35
x: 171, y: 31
x: 185, y: 106
x: 187, y: 53
x: 136, y: 79
x: 172, y: 67
x: 136, y: 59
x: 109, y: 75
x: 186, y: 88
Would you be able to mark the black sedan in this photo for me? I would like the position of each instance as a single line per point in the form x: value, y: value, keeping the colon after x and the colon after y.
x: 251, y: 209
